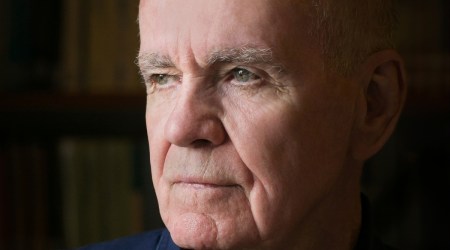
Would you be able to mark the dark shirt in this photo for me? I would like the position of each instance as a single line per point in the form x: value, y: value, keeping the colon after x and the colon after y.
x: 153, y: 240
x: 161, y: 240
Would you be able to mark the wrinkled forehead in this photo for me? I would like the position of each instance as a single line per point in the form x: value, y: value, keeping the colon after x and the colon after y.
x: 203, y: 8
x: 201, y: 26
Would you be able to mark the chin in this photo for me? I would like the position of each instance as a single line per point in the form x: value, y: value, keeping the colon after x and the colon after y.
x: 201, y: 231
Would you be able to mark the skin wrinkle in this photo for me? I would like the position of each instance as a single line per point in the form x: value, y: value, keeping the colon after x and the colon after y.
x: 250, y: 195
x: 344, y: 56
x: 204, y: 166
x: 249, y: 55
x: 245, y: 55
x: 288, y: 151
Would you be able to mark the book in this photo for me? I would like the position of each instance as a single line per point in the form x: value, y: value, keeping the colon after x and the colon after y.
x: 100, y: 43
x: 97, y: 189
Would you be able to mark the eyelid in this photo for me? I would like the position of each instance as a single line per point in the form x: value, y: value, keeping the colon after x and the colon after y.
x: 161, y: 71
x: 256, y: 78
x: 265, y: 77
x: 177, y: 78
x: 250, y: 72
x: 153, y: 86
x: 253, y: 70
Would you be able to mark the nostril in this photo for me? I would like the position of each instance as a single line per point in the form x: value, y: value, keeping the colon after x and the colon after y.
x: 194, y: 123
x: 200, y: 143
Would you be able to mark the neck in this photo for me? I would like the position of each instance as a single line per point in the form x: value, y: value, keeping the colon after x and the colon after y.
x: 335, y: 222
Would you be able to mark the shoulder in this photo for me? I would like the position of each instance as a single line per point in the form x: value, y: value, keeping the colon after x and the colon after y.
x: 157, y: 239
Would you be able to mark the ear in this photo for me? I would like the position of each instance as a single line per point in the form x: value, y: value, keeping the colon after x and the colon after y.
x: 382, y: 96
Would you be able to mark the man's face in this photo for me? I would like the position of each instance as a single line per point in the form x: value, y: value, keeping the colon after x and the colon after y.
x: 247, y: 132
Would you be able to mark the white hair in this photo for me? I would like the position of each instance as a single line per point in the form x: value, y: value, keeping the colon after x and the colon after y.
x: 351, y: 30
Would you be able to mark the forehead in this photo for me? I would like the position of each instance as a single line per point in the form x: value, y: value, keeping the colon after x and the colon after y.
x: 195, y: 28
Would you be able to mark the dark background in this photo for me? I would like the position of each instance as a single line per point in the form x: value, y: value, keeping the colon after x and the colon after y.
x: 72, y: 128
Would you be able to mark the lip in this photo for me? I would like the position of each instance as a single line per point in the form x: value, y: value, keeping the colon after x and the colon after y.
x: 199, y: 183
x: 194, y: 193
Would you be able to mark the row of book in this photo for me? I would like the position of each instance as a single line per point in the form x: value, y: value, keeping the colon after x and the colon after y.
x: 29, y: 44
x: 23, y: 196
x: 69, y: 46
x: 84, y: 190
x: 99, y: 46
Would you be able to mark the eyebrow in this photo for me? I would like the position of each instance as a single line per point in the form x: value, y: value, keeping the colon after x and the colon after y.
x: 245, y: 55
x: 148, y: 61
x: 242, y: 55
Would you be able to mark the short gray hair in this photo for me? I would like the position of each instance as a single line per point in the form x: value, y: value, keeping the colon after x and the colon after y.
x: 350, y: 30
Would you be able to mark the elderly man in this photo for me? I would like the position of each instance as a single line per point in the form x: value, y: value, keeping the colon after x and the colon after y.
x: 260, y: 115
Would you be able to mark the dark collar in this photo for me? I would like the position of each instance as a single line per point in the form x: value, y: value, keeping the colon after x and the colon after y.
x: 166, y: 242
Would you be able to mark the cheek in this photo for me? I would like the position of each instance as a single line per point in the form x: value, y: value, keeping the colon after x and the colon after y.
x: 262, y: 130
x: 258, y: 132
x: 158, y: 146
x: 294, y: 152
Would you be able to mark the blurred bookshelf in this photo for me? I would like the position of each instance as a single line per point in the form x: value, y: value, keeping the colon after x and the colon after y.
x: 73, y: 149
x: 74, y: 165
x: 43, y: 115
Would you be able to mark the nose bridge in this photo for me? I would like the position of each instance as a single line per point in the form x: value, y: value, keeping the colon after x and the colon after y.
x: 195, y: 117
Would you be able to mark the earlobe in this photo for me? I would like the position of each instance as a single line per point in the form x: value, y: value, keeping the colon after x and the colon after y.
x: 380, y: 103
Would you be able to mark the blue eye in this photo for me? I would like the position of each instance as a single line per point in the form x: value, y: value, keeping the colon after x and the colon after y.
x: 243, y: 76
x: 159, y: 79
x: 162, y: 79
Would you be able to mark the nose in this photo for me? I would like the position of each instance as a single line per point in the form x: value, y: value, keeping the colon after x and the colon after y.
x: 194, y: 120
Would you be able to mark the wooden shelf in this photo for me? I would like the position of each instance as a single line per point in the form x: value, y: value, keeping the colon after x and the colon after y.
x: 44, y: 115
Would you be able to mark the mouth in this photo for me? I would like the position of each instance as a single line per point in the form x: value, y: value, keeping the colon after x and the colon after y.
x: 203, y: 184
x: 192, y: 192
x: 196, y: 185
